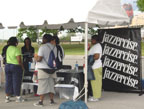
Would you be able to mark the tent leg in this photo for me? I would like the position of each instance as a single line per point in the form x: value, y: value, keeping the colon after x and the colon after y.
x: 141, y: 87
x: 86, y: 54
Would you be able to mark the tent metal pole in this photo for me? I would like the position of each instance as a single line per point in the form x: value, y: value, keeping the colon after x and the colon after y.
x: 86, y: 54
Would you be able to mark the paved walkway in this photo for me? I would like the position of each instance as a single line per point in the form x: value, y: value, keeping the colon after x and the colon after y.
x: 110, y: 100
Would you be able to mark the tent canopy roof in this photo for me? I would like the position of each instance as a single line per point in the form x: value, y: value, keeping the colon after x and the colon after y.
x: 69, y: 25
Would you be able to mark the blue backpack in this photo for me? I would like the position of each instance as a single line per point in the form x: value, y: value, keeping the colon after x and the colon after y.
x: 52, y: 60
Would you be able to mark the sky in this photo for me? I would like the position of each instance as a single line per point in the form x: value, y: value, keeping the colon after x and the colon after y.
x: 34, y: 12
x: 13, y: 12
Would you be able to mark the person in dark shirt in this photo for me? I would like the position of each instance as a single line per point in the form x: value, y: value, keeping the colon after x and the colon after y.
x: 27, y: 53
x: 60, y: 52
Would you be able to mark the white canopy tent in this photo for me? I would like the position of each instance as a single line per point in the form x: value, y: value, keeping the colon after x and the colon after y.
x: 104, y: 13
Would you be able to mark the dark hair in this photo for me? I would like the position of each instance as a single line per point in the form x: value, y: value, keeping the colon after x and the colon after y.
x: 29, y: 41
x: 56, y: 40
x: 8, y: 42
x: 47, y: 37
x: 96, y: 37
x: 13, y: 41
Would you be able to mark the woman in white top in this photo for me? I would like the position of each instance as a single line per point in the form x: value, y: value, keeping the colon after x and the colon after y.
x: 96, y: 51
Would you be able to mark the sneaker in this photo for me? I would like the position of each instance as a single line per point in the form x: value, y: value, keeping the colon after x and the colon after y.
x: 7, y: 100
x: 90, y: 97
x: 93, y: 99
x: 38, y: 104
x: 19, y: 99
x: 36, y: 95
x: 52, y: 102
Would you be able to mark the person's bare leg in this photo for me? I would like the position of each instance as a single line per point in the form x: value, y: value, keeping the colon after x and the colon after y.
x: 7, y: 94
x: 41, y: 98
x: 51, y: 95
x: 40, y: 102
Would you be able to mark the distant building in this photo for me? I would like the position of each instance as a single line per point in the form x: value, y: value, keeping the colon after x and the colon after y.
x: 138, y: 20
x: 77, y: 38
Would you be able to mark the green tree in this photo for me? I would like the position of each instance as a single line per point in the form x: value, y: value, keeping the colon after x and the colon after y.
x: 48, y: 31
x: 21, y: 32
x: 30, y: 32
x: 92, y: 31
x: 140, y: 4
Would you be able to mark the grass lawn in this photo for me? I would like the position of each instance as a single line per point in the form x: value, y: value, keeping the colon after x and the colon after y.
x: 73, y: 49
x: 70, y: 49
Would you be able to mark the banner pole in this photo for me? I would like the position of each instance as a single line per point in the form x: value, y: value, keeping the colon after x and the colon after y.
x: 141, y: 86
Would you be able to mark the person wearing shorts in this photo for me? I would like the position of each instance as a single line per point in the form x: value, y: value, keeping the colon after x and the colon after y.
x: 45, y: 80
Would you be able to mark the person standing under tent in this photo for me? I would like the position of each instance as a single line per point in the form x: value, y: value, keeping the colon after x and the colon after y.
x: 96, y: 51
x: 4, y: 57
x: 28, y: 53
x: 60, y: 52
x: 90, y: 93
x: 13, y: 71
x: 45, y: 80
